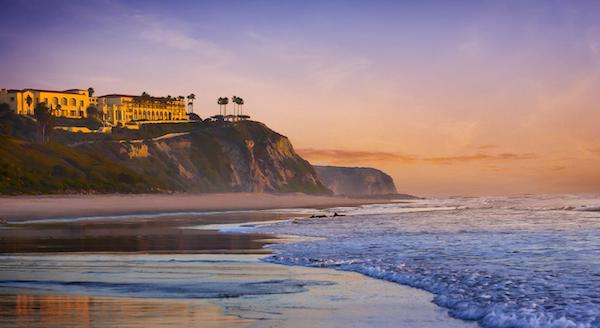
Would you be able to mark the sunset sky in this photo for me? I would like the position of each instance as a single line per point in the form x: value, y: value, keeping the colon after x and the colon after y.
x: 448, y: 97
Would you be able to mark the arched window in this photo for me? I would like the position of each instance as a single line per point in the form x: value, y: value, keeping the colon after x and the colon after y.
x: 54, y: 101
x: 81, y: 103
x: 63, y: 101
x: 73, y: 102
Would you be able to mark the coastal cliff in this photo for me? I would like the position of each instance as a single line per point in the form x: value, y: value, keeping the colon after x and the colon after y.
x: 356, y: 181
x: 200, y: 157
x: 228, y: 157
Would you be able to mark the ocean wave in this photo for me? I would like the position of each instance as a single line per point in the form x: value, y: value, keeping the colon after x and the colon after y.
x: 501, y: 266
x: 485, y: 311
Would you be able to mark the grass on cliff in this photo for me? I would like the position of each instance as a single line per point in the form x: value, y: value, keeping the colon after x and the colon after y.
x: 27, y: 168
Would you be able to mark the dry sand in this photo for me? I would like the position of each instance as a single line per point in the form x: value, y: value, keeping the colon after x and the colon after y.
x: 64, y: 206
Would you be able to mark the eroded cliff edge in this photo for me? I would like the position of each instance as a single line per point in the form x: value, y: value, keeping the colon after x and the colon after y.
x: 215, y: 157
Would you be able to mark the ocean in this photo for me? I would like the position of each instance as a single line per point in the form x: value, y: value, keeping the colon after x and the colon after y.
x: 519, y: 261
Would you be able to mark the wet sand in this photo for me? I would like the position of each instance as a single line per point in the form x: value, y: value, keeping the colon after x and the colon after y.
x: 143, y: 234
x: 65, y: 206
x: 258, y: 295
x: 65, y: 311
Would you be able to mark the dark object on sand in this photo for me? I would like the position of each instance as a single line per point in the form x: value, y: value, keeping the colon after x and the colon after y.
x: 336, y: 214
x: 318, y: 216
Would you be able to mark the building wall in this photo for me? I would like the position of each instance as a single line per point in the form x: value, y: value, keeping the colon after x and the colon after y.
x: 116, y: 109
x: 71, y: 104
x: 123, y: 109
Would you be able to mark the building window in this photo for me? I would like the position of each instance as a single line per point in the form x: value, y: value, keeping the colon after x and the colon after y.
x: 64, y: 101
x: 81, y: 103
x: 54, y: 101
x: 73, y: 102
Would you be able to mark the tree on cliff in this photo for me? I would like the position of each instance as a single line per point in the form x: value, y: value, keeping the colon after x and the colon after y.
x: 5, y: 115
x: 43, y: 117
x: 240, y: 102
x: 234, y: 100
x: 5, y: 110
x: 93, y: 112
x: 94, y: 117
x: 223, y: 101
x: 29, y: 101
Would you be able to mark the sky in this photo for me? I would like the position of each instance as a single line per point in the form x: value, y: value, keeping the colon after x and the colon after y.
x: 448, y: 97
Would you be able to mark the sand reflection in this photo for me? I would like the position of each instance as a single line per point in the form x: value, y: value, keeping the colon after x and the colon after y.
x: 33, y: 311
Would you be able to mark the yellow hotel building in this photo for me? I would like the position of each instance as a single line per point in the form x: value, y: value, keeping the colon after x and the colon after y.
x: 116, y: 109
x: 69, y: 103
x: 121, y: 109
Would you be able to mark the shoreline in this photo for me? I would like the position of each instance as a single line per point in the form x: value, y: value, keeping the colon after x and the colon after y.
x: 240, y: 290
x: 22, y: 208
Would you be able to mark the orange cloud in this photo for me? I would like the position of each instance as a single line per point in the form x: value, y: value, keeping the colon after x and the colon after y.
x: 340, y: 156
x: 480, y: 157
x: 595, y: 151
x: 485, y: 147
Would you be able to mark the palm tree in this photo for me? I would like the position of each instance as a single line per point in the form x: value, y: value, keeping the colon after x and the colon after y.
x: 223, y: 101
x: 91, y: 91
x: 29, y: 100
x: 43, y: 116
x: 240, y: 104
x: 191, y: 99
x: 234, y: 100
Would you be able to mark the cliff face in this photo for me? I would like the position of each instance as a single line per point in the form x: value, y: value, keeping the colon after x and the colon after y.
x: 203, y: 157
x: 356, y: 181
x: 243, y: 156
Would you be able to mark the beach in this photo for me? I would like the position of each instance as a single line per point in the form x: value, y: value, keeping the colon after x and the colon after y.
x: 65, y: 206
x: 159, y: 270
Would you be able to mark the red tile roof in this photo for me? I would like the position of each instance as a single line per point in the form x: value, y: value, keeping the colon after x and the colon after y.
x: 71, y: 91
